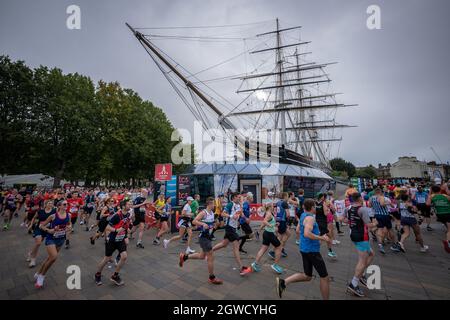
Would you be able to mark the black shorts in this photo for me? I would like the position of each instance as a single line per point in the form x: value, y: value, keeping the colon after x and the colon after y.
x: 138, y: 219
x: 157, y: 215
x: 30, y: 215
x: 443, y: 218
x: 246, y: 228
x: 88, y: 210
x: 424, y: 209
x: 231, y: 234
x: 323, y: 228
x: 164, y: 218
x: 205, y: 244
x: 270, y: 238
x: 314, y: 259
x: 396, y: 215
x: 102, y: 224
x: 73, y: 220
x: 111, y: 246
x: 98, y: 215
x: 384, y: 221
x: 282, y: 227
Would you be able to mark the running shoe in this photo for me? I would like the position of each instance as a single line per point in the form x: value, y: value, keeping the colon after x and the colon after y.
x: 39, y: 281
x: 28, y: 257
x: 81, y: 222
x: 189, y: 251
x: 5, y: 227
x: 335, y: 242
x: 429, y: 228
x: 181, y: 259
x: 243, y: 251
x: 271, y: 254
x: 117, y: 259
x: 16, y: 214
x: 401, y: 247
x: 363, y: 281
x: 156, y: 242
x: 256, y: 267
x: 117, y: 280
x: 165, y: 243
x: 297, y: 241
x: 213, y: 238
x: 245, y: 270
x: 280, y: 286
x: 395, y: 248
x: 32, y: 263
x: 92, y: 240
x: 446, y: 245
x: 23, y: 224
x: 424, y: 248
x: 277, y: 268
x: 332, y: 255
x: 355, y: 290
x: 139, y: 245
x: 341, y: 233
x: 257, y: 235
x: 381, y: 249
x: 215, y: 281
x: 67, y: 244
x: 36, y: 275
x: 283, y: 253
x: 98, y: 279
x: 91, y: 227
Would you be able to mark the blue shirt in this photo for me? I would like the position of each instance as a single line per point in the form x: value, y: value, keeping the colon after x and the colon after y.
x: 421, y: 197
x: 307, y: 244
x: 245, y: 211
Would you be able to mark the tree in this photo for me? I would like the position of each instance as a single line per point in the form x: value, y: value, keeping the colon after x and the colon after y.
x: 339, y: 164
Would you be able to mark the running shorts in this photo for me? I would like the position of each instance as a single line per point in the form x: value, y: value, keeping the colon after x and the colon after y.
x: 102, y: 224
x: 38, y: 232
x: 424, y: 209
x: 314, y: 260
x: 57, y: 242
x: 111, y: 246
x: 384, y: 221
x: 408, y: 221
x: 88, y: 210
x: 231, y: 234
x: 443, y: 218
x: 330, y: 218
x: 73, y: 219
x: 396, y: 215
x: 363, y: 246
x: 184, y: 223
x: 164, y: 218
x: 270, y: 238
x: 139, y: 218
x: 245, y: 227
x: 282, y: 227
x: 205, y: 244
x: 323, y: 228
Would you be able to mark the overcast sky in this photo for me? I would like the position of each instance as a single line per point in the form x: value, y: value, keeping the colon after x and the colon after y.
x: 399, y: 75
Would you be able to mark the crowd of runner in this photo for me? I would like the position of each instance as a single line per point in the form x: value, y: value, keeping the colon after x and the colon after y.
x: 387, y: 213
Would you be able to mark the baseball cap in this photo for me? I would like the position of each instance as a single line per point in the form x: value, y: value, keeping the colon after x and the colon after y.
x: 189, y: 199
x: 271, y: 194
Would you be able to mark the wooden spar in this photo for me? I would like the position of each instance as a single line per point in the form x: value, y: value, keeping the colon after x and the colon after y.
x: 325, y: 106
x: 285, y: 71
x: 281, y: 47
x: 284, y: 85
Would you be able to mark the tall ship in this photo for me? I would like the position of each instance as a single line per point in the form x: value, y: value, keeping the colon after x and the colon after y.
x: 280, y: 91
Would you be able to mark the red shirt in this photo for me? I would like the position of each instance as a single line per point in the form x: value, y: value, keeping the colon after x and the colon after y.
x: 73, y: 206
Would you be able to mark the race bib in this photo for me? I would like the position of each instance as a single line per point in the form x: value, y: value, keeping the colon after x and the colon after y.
x: 59, y: 233
x: 90, y: 205
x: 120, y: 236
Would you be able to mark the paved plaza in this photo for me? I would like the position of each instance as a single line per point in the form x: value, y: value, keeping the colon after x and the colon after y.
x: 153, y: 273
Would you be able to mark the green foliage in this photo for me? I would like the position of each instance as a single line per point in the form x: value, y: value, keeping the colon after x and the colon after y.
x: 366, y: 172
x: 65, y: 126
x: 339, y: 164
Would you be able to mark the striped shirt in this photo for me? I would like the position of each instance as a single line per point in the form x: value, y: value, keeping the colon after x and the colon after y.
x: 378, y: 208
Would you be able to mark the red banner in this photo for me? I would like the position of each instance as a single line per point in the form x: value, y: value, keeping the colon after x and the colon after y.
x: 163, y: 172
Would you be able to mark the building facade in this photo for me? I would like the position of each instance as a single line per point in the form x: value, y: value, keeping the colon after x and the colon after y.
x: 409, y: 167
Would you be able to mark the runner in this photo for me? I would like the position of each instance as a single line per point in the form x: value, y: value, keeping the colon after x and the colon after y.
x: 408, y: 222
x: 108, y: 210
x: 269, y: 238
x: 298, y: 213
x: 219, y: 204
x: 159, y: 210
x: 89, y: 207
x: 310, y: 251
x: 380, y: 205
x: 38, y: 234
x: 117, y: 229
x: 32, y: 206
x: 205, y: 220
x: 73, y: 207
x: 185, y: 226
x: 164, y: 220
x: 139, y: 216
x: 359, y: 223
x: 10, y: 208
x: 349, y: 191
x: 322, y: 221
x: 441, y: 203
x: 329, y: 200
x: 281, y: 218
x: 56, y: 227
x: 232, y: 213
x: 293, y: 203
x: 339, y: 207
x: 420, y: 200
x: 244, y: 222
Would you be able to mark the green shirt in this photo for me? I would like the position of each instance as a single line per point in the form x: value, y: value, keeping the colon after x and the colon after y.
x: 441, y: 204
x: 194, y: 207
x: 271, y: 227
